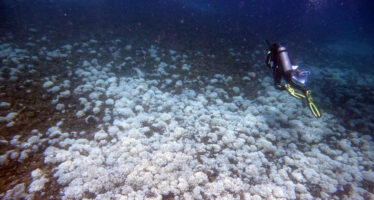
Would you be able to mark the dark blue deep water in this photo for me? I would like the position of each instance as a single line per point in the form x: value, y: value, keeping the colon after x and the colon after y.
x: 172, y: 99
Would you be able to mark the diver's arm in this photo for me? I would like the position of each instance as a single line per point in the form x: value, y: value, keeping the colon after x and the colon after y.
x: 277, y: 76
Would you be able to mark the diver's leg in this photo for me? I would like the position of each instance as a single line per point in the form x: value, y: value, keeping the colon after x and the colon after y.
x: 277, y: 75
x: 298, y: 87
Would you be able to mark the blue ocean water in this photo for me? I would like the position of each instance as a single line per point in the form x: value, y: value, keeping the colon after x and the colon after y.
x: 172, y: 99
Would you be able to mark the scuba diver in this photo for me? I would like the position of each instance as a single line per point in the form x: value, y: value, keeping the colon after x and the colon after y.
x: 278, y: 60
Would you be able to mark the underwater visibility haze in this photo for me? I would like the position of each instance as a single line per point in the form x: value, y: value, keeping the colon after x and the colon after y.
x: 185, y: 99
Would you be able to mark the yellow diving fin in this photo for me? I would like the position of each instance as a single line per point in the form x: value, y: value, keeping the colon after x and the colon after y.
x: 293, y: 92
x: 311, y: 104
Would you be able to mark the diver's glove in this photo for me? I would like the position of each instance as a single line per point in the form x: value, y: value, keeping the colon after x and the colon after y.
x: 268, y: 59
x: 311, y: 104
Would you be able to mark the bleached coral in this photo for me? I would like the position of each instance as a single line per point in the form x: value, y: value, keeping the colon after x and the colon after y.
x: 191, y: 144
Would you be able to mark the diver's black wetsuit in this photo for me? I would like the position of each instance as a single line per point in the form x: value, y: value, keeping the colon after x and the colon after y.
x: 279, y: 61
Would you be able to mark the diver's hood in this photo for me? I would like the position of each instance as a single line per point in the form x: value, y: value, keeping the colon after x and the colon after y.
x: 300, y: 77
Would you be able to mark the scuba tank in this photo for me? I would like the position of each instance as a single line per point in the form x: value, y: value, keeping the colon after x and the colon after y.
x: 284, y: 59
x: 280, y: 56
